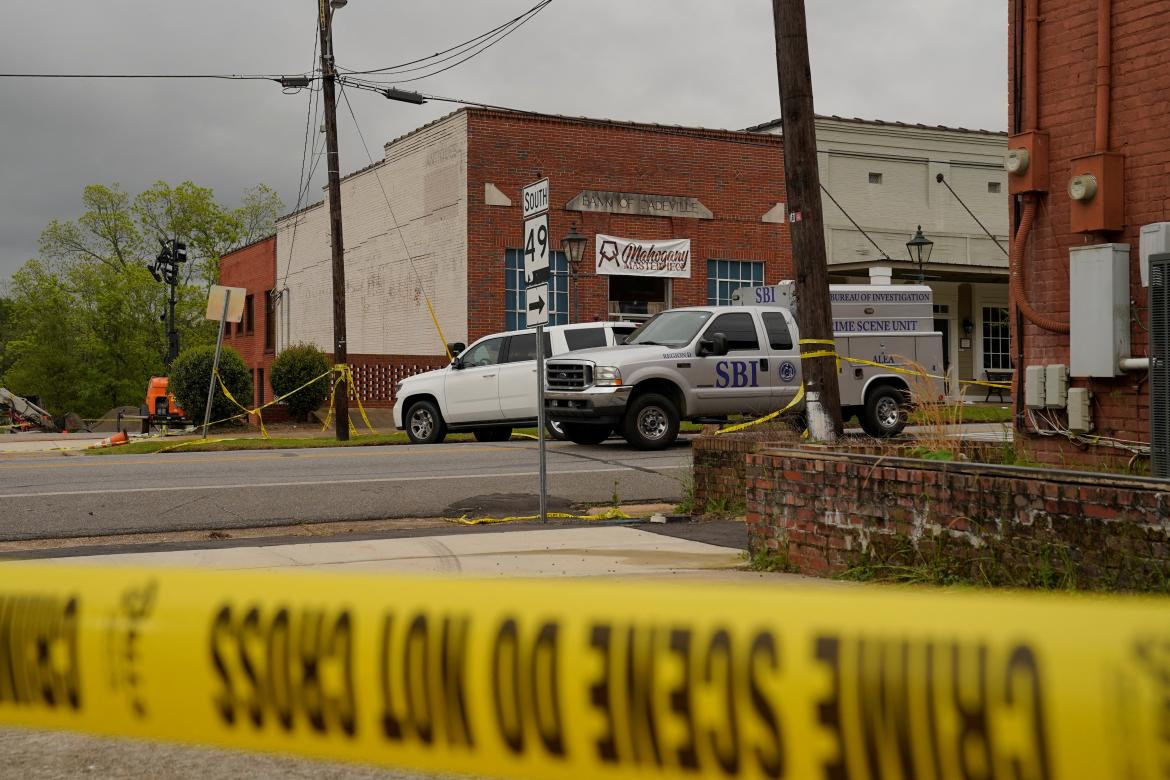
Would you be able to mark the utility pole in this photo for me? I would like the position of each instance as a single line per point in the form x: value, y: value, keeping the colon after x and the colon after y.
x: 806, y: 222
x: 328, y: 78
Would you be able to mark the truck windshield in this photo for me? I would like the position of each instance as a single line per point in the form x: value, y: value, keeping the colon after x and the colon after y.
x: 670, y: 328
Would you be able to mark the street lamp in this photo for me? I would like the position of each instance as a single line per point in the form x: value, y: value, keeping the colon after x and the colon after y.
x: 573, y: 246
x: 919, y: 248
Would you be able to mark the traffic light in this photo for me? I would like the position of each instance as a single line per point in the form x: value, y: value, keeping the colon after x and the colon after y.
x: 178, y: 252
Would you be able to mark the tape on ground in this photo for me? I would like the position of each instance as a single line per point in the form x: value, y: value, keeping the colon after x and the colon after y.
x: 593, y: 680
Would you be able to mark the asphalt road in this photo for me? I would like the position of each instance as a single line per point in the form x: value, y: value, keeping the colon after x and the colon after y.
x: 44, y: 496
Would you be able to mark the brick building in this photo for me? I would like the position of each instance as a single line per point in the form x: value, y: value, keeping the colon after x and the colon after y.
x: 1090, y: 148
x: 438, y: 220
x: 253, y: 267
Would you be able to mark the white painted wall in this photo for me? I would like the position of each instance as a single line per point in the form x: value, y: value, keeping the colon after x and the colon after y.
x: 424, y: 176
x: 909, y: 158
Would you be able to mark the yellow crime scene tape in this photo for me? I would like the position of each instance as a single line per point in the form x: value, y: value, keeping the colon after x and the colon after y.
x: 832, y: 353
x: 594, y: 680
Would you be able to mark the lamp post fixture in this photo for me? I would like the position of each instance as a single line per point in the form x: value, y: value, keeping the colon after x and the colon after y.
x: 919, y: 248
x: 573, y: 246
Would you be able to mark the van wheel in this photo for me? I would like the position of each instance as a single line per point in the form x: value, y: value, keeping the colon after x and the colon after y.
x: 424, y: 423
x: 497, y: 433
x: 584, y: 433
x: 885, y: 412
x: 651, y: 422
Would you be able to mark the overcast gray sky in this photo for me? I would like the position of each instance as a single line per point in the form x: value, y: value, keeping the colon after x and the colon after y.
x: 690, y: 62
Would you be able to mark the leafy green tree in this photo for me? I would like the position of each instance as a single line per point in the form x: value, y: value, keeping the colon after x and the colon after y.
x: 295, y: 366
x: 191, y: 372
x: 83, y: 325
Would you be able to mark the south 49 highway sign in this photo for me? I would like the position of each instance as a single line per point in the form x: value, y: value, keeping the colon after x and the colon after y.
x: 536, y: 250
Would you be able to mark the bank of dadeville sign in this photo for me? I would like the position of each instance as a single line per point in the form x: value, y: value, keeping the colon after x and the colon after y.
x: 634, y: 257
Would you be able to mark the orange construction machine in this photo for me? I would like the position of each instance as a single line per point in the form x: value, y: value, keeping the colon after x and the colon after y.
x: 160, y: 408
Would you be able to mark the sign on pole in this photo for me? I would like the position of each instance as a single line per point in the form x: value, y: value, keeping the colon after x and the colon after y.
x: 536, y: 250
x: 534, y: 200
x: 537, y: 305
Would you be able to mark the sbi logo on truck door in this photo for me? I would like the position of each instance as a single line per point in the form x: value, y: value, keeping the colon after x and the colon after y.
x: 737, y: 373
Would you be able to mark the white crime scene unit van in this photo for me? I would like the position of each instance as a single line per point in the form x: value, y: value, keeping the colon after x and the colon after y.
x: 709, y: 362
x: 490, y: 387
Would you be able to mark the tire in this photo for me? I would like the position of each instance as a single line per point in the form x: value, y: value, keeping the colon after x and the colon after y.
x: 497, y: 433
x: 651, y: 422
x: 884, y: 413
x: 555, y: 430
x: 424, y: 423
x: 583, y: 433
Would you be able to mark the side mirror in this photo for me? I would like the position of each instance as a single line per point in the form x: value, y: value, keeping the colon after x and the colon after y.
x: 457, y: 364
x: 456, y: 347
x: 715, y: 344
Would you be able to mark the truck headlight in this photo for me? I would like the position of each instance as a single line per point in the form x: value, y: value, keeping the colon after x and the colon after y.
x: 607, y: 376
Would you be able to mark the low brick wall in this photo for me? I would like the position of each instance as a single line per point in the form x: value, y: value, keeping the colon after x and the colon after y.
x: 828, y: 513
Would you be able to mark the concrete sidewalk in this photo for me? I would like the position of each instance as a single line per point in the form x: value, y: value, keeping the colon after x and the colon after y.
x: 604, y: 550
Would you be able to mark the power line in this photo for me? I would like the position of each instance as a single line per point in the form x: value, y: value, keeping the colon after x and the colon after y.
x: 403, y: 67
x: 221, y: 76
x: 474, y: 51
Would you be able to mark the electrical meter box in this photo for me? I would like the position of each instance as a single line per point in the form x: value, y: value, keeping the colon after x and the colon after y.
x: 1099, y: 303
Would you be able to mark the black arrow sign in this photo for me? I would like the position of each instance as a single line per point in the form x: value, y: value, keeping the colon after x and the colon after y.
x: 538, y: 305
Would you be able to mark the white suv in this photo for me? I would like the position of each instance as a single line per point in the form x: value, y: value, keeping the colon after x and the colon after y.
x: 490, y: 387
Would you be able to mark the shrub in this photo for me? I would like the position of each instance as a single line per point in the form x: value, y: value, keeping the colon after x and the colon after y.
x: 293, y: 367
x: 191, y: 372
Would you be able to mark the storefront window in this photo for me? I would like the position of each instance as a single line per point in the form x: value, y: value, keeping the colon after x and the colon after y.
x: 726, y: 276
x: 637, y: 297
x: 996, y: 339
x: 515, y: 315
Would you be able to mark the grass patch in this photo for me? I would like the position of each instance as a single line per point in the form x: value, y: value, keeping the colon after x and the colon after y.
x: 770, y: 560
x: 166, y: 446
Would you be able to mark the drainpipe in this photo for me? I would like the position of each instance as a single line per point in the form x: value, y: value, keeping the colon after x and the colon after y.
x: 1104, y: 72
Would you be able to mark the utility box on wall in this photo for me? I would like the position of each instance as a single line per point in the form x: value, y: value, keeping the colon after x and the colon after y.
x: 1099, y: 309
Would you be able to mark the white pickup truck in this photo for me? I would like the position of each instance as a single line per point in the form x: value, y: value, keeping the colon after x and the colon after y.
x: 709, y: 362
x: 490, y: 387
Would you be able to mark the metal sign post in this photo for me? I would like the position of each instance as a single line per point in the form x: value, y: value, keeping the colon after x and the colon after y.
x: 534, y: 199
x: 232, y: 310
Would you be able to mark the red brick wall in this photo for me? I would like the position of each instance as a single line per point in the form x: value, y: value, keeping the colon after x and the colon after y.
x: 738, y: 176
x: 829, y: 513
x: 254, y: 268
x: 1140, y: 131
x: 375, y: 376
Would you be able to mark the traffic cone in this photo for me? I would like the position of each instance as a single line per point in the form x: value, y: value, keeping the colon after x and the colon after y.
x: 112, y: 441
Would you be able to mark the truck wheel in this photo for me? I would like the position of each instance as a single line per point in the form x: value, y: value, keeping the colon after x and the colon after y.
x: 555, y: 429
x: 651, y: 422
x: 497, y: 433
x: 884, y: 413
x: 584, y: 433
x: 424, y: 423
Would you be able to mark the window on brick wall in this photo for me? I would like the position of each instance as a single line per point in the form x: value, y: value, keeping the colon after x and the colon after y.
x: 726, y: 276
x: 996, y: 339
x: 269, y: 322
x: 515, y: 314
x: 249, y: 320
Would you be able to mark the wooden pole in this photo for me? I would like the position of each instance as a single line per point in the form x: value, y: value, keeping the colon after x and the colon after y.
x: 340, y: 352
x: 806, y: 223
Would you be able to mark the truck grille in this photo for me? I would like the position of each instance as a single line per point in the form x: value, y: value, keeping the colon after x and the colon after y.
x: 568, y: 376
